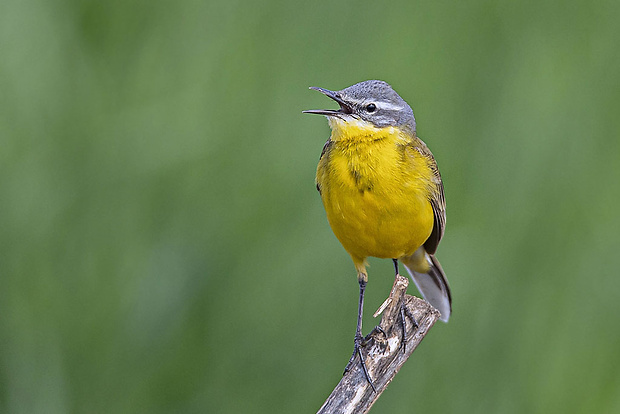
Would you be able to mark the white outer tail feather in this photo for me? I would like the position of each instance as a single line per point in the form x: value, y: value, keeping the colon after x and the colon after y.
x: 433, y: 286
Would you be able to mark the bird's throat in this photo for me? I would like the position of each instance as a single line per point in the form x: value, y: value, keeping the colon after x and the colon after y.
x: 357, y: 130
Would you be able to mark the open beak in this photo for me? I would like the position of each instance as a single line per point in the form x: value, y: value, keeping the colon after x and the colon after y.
x: 344, y: 107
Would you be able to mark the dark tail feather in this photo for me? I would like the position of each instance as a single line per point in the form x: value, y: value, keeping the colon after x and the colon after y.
x: 433, y: 284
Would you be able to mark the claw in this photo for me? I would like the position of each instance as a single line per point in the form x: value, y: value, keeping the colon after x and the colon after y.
x: 405, y: 311
x: 357, y: 350
x: 375, y: 330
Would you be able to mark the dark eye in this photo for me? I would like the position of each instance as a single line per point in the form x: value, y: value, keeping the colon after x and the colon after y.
x: 371, y: 107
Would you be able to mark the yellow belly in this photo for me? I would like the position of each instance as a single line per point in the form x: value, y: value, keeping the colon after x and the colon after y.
x: 376, y: 195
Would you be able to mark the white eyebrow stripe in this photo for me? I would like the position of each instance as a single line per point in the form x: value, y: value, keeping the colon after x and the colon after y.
x: 388, y: 106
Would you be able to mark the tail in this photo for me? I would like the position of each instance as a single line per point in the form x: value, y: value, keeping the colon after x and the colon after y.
x: 429, y: 278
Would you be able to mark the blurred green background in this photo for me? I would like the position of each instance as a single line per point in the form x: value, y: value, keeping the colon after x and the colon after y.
x: 164, y: 250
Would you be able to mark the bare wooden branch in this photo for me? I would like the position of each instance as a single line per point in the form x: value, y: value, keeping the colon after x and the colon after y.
x: 384, y: 353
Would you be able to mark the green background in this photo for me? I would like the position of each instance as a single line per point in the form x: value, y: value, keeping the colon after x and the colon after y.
x: 163, y: 248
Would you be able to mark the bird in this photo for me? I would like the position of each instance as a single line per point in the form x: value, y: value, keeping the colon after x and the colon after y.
x: 382, y: 192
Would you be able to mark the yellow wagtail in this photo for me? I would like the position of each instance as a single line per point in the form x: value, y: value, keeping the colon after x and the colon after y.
x: 382, y: 191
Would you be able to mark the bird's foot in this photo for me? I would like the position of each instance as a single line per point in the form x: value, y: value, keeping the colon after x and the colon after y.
x: 406, y: 313
x: 357, y: 351
x: 376, y: 330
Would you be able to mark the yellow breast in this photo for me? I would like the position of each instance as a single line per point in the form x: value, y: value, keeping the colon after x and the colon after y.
x: 375, y: 187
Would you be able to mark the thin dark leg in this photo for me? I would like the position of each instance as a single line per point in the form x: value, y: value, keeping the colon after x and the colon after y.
x: 357, y: 350
x: 404, y: 312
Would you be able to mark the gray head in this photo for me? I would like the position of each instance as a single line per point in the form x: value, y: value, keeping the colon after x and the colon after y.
x: 373, y: 101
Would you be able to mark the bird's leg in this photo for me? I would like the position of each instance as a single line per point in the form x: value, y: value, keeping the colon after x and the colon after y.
x: 357, y: 350
x: 404, y: 312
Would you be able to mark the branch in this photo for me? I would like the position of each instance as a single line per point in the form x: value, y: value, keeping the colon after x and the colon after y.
x: 384, y: 355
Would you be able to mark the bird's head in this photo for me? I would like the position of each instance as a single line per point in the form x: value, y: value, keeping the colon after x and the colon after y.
x: 367, y: 105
